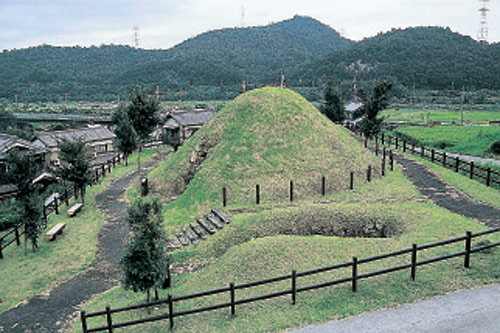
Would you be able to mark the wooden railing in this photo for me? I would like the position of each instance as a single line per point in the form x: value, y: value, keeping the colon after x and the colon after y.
x: 354, y: 278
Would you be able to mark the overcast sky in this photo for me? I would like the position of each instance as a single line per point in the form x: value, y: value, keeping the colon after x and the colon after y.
x: 164, y: 23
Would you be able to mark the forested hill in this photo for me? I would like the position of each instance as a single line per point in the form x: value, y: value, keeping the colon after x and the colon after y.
x: 427, y: 57
x: 256, y: 54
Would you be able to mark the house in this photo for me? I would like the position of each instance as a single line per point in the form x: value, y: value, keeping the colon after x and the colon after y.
x: 351, y: 108
x: 97, y: 137
x: 181, y: 124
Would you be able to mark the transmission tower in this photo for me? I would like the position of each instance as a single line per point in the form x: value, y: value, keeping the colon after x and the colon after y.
x: 136, y: 37
x: 482, y: 34
x: 242, y: 13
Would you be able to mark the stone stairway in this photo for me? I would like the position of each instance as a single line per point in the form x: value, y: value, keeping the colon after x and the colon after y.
x: 201, y: 229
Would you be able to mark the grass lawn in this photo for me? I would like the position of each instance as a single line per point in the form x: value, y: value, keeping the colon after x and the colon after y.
x: 445, y: 116
x: 241, y: 253
x: 25, y: 276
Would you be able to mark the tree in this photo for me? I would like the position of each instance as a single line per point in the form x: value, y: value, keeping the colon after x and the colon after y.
x: 144, y: 261
x: 142, y: 112
x: 21, y: 171
x: 75, y: 164
x: 126, y: 136
x: 333, y: 107
x: 378, y: 101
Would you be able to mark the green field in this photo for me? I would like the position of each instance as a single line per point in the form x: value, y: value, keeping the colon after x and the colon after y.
x: 444, y: 116
x: 469, y: 140
x: 276, y: 237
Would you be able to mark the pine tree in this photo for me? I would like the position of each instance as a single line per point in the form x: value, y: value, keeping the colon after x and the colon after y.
x: 126, y: 137
x: 145, y: 261
x: 333, y: 107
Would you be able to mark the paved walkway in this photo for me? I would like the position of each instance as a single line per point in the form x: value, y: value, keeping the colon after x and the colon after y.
x: 53, y: 312
x: 475, y: 310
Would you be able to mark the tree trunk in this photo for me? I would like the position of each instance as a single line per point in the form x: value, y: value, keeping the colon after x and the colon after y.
x: 126, y: 159
x: 82, y: 192
x: 25, y: 241
x: 148, y: 299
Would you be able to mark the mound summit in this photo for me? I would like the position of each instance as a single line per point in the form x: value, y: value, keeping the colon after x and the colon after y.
x: 268, y: 137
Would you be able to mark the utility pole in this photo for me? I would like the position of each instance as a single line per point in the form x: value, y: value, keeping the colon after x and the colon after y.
x: 136, y: 37
x: 482, y: 34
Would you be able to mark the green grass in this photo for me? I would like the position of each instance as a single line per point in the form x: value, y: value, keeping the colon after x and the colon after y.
x: 267, y: 136
x: 23, y: 277
x: 470, y: 140
x: 240, y: 254
x: 445, y: 116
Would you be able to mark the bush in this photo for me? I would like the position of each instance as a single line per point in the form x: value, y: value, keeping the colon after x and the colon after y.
x: 495, y: 148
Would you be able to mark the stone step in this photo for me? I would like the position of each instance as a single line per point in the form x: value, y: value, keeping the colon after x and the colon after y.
x: 197, y: 231
x: 220, y: 216
x: 210, y: 230
x: 182, y: 240
x: 192, y: 238
x: 213, y: 222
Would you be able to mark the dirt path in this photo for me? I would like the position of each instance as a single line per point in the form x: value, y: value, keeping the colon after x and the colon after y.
x: 446, y: 196
x: 50, y: 313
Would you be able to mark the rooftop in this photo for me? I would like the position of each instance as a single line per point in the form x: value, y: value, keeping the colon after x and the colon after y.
x: 190, y: 117
x: 87, y: 134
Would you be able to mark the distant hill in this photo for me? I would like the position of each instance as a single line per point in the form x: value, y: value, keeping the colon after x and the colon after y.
x: 427, y: 57
x: 226, y: 55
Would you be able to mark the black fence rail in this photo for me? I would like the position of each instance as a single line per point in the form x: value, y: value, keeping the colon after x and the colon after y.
x: 484, y: 174
x: 412, y: 264
x: 11, y: 236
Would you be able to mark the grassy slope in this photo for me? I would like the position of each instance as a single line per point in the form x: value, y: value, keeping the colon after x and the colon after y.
x: 236, y: 259
x: 470, y: 140
x: 268, y: 137
x: 23, y: 277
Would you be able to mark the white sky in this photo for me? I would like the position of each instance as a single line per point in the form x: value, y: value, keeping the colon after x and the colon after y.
x: 165, y: 23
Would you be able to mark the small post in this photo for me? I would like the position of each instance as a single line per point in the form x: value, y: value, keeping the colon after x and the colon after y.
x: 1, y: 248
x: 422, y: 151
x: 257, y: 194
x: 144, y: 187
x: 108, y: 319
x: 457, y: 164
x: 231, y: 286
x: 294, y: 286
x: 103, y: 170
x: 156, y: 294
x: 109, y: 168
x: 84, y: 321
x: 432, y: 155
x: 351, y: 184
x: 383, y: 139
x: 369, y: 174
x: 170, y: 311
x: 444, y: 159
x: 376, y: 146
x: 16, y: 230
x: 66, y: 196
x: 413, y: 261
x: 385, y: 152
x: 96, y: 175
x: 366, y: 142
x: 468, y: 239
x: 383, y: 166
x: 404, y: 146
x: 323, y: 186
x: 44, y: 214
x: 413, y: 148
x: 354, y: 274
x: 397, y: 143
x: 114, y: 162
x: 56, y: 205
x: 471, y: 175
x: 168, y: 283
x: 291, y: 190
x: 488, y: 176
x: 391, y: 159
x: 224, y: 198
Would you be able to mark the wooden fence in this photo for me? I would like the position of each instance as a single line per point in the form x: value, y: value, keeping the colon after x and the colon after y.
x: 353, y: 279
x: 474, y: 171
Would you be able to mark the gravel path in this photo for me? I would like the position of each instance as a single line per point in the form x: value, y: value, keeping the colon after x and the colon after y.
x: 53, y: 312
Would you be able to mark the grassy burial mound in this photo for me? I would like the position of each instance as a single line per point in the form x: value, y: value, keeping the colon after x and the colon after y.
x: 267, y: 137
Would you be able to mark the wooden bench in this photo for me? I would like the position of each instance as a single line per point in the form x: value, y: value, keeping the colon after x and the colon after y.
x: 74, y: 209
x: 54, y: 231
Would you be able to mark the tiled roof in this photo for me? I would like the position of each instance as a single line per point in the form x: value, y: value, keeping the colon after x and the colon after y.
x: 87, y: 134
x: 190, y: 117
x: 8, y: 142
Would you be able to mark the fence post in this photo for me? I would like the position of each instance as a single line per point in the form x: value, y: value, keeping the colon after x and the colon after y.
x: 366, y: 142
x: 56, y: 204
x: 257, y: 194
x: 224, y: 198
x: 323, y: 186
x: 351, y: 184
x: 84, y: 321
x: 44, y: 214
x: 354, y: 274
x: 103, y: 170
x: 383, y: 166
x: 404, y: 146
x: 468, y: 239
x: 96, y: 175
x: 294, y: 286
x: 369, y: 174
x: 108, y: 319
x: 170, y: 311
x: 422, y: 151
x: 383, y: 139
x: 1, y: 248
x: 471, y: 170
x: 432, y: 155
x: 376, y: 146
x: 488, y: 176
x: 114, y: 162
x: 16, y: 230
x: 457, y: 164
x: 444, y: 159
x: 385, y: 153
x: 291, y: 190
x: 392, y: 161
x: 397, y: 143
x: 144, y: 187
x: 231, y: 286
x: 413, y: 148
x: 413, y: 261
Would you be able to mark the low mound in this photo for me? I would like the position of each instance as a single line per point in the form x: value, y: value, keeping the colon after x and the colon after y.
x: 268, y: 137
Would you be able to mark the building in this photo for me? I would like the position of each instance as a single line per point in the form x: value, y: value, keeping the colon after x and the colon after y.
x: 97, y: 137
x: 181, y: 124
x: 351, y: 108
